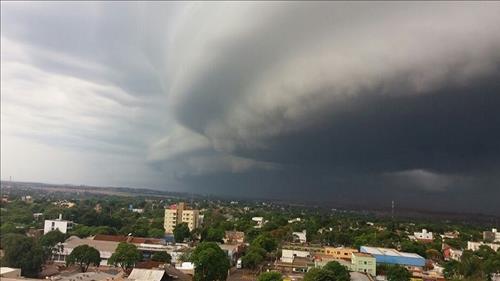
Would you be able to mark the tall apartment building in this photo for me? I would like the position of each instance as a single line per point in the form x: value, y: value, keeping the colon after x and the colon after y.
x: 177, y: 214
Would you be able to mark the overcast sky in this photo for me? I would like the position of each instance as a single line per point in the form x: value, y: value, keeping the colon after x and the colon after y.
x: 343, y: 102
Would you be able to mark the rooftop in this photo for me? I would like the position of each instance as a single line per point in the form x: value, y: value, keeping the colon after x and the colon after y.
x: 389, y: 252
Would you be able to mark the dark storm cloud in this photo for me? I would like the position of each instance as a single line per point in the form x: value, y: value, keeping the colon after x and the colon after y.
x: 337, y: 101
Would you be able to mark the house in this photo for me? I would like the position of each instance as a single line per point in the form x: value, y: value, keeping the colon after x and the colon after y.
x: 364, y: 262
x: 9, y: 272
x: 234, y: 237
x: 141, y: 274
x: 294, y: 220
x: 105, y: 248
x: 451, y: 254
x: 259, y: 221
x: 339, y: 252
x: 87, y: 276
x: 393, y: 256
x: 474, y: 246
x: 300, y: 236
x: 59, y: 223
x: 27, y: 199
x: 491, y: 236
x: 423, y: 236
x: 288, y: 255
x: 233, y: 251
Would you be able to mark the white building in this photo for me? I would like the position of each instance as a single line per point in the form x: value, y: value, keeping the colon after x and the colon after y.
x: 9, y: 272
x: 62, y: 225
x: 492, y: 235
x: 287, y: 255
x: 301, y: 236
x: 424, y: 235
x: 259, y: 221
x: 294, y: 220
x: 474, y: 246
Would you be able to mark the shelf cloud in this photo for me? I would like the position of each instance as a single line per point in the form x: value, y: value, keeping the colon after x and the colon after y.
x: 359, y: 102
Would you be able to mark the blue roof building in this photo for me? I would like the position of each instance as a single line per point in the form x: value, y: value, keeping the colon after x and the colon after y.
x: 392, y: 256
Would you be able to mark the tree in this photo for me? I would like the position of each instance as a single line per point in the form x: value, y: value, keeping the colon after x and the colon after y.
x: 253, y: 257
x: 181, y: 232
x: 210, y: 262
x: 50, y: 243
x: 84, y: 256
x: 340, y: 272
x: 22, y: 252
x: 125, y: 256
x: 214, y: 235
x: 270, y: 276
x: 265, y: 242
x: 398, y: 273
x: 318, y: 274
x: 162, y: 257
x: 156, y: 233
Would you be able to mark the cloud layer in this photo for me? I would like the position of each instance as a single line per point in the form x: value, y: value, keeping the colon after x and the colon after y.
x: 349, y: 101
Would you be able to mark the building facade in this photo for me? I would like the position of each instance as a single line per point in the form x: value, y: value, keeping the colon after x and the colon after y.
x: 60, y: 224
x: 491, y: 236
x: 393, y: 256
x: 177, y: 214
x: 339, y: 252
x: 363, y: 262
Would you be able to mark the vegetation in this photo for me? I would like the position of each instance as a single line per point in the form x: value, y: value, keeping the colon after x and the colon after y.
x: 162, y: 257
x: 181, y: 232
x: 270, y: 276
x: 332, y: 271
x: 84, y: 256
x: 211, y: 263
x: 125, y: 256
x: 398, y: 273
x: 22, y: 252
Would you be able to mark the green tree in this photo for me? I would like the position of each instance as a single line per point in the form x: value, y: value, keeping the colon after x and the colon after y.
x: 270, y: 276
x: 253, y: 257
x: 265, y: 242
x: 340, y: 272
x: 50, y: 243
x: 162, y: 257
x: 84, y: 256
x: 156, y: 232
x: 181, y: 232
x: 318, y: 274
x: 214, y: 235
x: 22, y: 252
x: 125, y: 256
x: 211, y: 263
x: 398, y: 273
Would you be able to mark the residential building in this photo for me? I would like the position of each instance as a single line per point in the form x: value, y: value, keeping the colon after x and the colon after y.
x: 474, y: 246
x: 233, y: 251
x: 259, y: 221
x: 450, y: 253
x: 450, y: 235
x: 339, y: 252
x: 363, y: 262
x: 136, y: 210
x: 27, y: 199
x: 59, y: 223
x: 393, y: 256
x: 105, y: 248
x: 294, y: 220
x: 491, y: 236
x: 234, y: 237
x: 177, y: 214
x: 300, y: 236
x: 423, y: 236
x: 9, y: 272
x: 140, y: 274
x: 288, y: 255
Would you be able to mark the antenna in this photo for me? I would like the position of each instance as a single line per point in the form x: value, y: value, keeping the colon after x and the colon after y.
x: 392, y: 210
